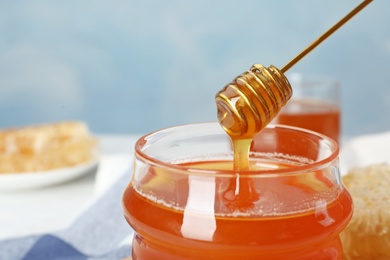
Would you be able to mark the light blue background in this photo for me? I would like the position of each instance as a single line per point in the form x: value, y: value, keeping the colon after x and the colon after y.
x: 137, y: 66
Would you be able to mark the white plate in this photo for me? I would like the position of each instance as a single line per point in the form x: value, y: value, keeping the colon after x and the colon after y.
x: 30, y: 180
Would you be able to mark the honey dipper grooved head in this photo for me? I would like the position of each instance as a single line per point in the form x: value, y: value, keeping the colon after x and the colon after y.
x: 250, y: 102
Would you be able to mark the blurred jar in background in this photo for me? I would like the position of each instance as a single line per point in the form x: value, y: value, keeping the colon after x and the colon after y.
x: 315, y: 105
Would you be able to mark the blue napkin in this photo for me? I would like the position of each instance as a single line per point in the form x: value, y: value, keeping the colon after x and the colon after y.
x: 101, y: 232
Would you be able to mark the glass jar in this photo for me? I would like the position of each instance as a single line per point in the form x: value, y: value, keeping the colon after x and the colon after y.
x: 314, y: 106
x: 180, y: 201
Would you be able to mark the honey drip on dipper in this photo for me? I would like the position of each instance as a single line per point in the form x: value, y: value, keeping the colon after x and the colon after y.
x: 250, y: 102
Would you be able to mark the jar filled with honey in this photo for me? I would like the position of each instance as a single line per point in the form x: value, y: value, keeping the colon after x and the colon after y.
x: 186, y: 201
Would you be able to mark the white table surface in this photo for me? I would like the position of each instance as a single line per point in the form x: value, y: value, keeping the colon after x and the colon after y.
x: 54, y: 208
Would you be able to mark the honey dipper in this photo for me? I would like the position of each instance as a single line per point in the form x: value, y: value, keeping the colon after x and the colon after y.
x: 254, y: 98
x: 248, y: 104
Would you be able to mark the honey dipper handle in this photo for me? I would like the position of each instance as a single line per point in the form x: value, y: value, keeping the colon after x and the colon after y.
x: 325, y: 35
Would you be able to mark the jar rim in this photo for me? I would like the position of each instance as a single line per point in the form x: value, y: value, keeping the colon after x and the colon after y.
x: 278, y: 172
